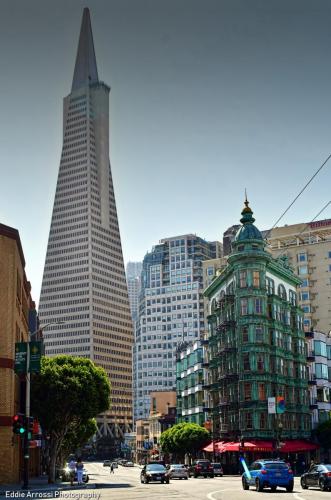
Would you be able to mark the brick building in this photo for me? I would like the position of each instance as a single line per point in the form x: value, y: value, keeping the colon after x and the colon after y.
x: 15, y: 303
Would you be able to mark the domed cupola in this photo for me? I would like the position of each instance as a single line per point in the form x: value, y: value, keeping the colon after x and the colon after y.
x: 248, y: 235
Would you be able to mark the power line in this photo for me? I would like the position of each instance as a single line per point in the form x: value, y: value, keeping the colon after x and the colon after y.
x: 305, y: 227
x: 300, y: 193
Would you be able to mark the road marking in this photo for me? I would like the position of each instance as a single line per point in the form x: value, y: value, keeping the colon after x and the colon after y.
x: 210, y: 495
x: 298, y: 497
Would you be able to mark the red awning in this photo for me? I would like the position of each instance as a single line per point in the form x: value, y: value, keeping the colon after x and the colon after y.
x: 235, y: 446
x: 262, y: 445
x: 213, y: 447
x: 298, y: 445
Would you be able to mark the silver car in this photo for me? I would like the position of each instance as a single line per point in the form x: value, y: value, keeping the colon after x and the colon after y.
x: 178, y: 471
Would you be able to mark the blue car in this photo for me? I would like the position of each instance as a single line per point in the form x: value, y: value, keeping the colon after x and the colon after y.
x: 269, y: 474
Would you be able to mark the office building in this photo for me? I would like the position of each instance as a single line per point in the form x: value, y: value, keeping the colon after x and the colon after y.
x: 170, y: 312
x: 84, y: 283
x: 308, y: 248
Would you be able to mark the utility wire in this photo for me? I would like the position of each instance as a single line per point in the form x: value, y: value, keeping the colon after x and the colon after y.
x: 300, y: 193
x: 305, y: 227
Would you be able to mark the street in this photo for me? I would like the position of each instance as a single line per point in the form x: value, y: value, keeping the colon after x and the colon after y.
x: 125, y: 484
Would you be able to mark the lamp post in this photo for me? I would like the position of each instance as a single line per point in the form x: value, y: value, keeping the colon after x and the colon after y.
x: 26, y: 441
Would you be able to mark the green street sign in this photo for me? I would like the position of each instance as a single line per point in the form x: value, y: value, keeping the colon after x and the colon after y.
x: 20, y: 357
x: 35, y: 356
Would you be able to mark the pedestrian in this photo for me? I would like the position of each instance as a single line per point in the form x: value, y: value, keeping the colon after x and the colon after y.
x: 72, y: 470
x: 79, y: 468
x: 112, y: 468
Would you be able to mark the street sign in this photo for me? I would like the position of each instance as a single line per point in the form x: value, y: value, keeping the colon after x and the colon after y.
x: 271, y: 405
x: 20, y: 357
x: 35, y: 356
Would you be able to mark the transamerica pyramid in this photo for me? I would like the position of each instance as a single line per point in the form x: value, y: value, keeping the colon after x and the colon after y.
x: 84, y: 283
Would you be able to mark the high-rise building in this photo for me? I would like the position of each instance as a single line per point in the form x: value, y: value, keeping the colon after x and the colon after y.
x: 84, y: 282
x: 171, y: 311
x: 256, y: 345
x: 133, y: 271
x: 308, y: 248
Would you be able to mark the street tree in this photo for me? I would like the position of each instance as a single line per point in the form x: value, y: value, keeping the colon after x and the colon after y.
x: 184, y: 438
x: 79, y: 432
x: 67, y: 390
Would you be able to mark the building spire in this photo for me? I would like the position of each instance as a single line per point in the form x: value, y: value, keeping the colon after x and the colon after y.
x: 86, y: 66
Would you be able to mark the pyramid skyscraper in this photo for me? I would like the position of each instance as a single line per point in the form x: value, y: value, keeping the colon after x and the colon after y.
x: 84, y: 284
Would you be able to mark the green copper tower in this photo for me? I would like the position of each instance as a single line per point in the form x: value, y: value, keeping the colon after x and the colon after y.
x: 256, y: 344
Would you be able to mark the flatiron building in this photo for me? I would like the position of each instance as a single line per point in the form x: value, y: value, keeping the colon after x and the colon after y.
x: 84, y: 284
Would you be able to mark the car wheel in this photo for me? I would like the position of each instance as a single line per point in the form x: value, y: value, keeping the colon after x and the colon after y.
x: 245, y: 484
x: 259, y: 485
x: 195, y: 476
x: 322, y: 485
x: 289, y: 487
x: 303, y: 484
x: 273, y: 488
x: 162, y: 481
x: 186, y: 477
x: 212, y: 476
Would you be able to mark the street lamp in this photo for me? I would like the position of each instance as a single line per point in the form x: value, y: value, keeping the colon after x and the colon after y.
x: 27, y: 402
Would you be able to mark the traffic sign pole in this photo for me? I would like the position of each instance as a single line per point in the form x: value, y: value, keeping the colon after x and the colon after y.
x: 27, y: 417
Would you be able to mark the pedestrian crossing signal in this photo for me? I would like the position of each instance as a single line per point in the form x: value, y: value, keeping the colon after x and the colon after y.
x: 19, y: 424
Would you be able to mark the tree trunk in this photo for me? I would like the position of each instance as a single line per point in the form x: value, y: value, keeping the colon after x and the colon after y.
x: 53, y: 459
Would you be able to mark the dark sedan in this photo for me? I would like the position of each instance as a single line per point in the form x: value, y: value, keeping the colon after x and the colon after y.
x: 318, y: 475
x: 154, y: 472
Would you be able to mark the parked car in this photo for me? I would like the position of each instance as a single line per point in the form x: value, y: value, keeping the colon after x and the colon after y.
x: 178, y: 471
x: 154, y: 472
x: 318, y: 475
x: 129, y: 464
x: 65, y: 475
x: 202, y: 468
x: 106, y: 463
x: 268, y: 474
x: 218, y: 469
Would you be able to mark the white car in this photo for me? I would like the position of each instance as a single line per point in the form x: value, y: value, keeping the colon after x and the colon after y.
x: 129, y: 464
x: 178, y: 471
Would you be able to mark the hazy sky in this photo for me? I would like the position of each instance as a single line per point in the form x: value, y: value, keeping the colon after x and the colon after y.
x: 208, y: 97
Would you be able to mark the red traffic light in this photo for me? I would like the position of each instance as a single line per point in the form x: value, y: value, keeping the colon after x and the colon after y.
x: 16, y: 418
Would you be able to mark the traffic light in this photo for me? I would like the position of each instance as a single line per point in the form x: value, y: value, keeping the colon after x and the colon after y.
x: 30, y: 426
x: 19, y: 424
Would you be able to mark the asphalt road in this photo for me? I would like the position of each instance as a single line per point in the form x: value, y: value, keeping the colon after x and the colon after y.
x: 125, y: 484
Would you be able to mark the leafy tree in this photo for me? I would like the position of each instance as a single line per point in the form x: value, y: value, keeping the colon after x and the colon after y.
x: 323, y: 433
x: 184, y: 438
x: 79, y: 432
x: 67, y: 390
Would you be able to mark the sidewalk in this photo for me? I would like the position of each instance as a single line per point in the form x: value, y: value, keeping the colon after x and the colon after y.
x: 40, y: 484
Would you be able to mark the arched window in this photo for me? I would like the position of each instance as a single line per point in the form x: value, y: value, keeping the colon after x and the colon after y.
x: 282, y: 292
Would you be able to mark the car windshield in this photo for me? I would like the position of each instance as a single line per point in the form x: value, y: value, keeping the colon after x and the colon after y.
x: 216, y: 466
x: 328, y: 467
x: 276, y: 466
x: 155, y: 467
